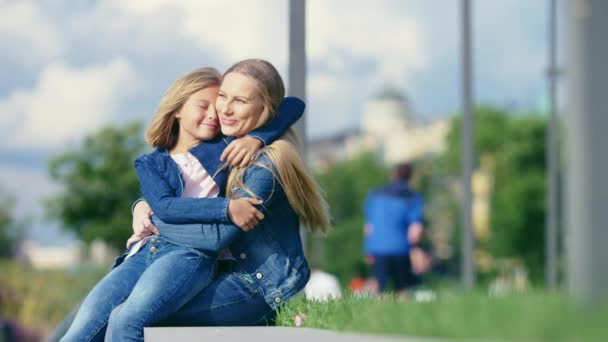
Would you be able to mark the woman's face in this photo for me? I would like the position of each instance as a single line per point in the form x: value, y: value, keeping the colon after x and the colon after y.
x: 239, y: 105
x: 198, y: 117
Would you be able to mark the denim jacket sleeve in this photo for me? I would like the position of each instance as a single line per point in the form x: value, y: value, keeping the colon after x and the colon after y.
x: 290, y: 111
x: 171, y: 209
x: 217, y: 236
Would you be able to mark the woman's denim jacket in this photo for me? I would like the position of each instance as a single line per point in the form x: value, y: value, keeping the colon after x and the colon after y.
x: 272, y: 252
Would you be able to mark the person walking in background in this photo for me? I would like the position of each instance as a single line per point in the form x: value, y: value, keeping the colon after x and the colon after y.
x: 393, y: 227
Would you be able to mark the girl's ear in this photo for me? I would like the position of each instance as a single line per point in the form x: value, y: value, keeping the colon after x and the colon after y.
x: 178, y: 114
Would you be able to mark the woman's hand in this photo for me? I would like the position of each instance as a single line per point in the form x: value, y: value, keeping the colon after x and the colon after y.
x: 240, y: 152
x: 244, y: 214
x: 142, y: 225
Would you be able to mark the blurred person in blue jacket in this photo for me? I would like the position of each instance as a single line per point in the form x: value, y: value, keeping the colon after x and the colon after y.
x: 393, y: 228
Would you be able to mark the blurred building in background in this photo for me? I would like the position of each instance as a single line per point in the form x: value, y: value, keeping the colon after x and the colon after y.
x: 388, y: 128
x: 45, y: 257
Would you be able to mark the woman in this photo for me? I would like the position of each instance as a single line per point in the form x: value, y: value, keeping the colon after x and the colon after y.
x: 153, y: 284
x: 269, y: 266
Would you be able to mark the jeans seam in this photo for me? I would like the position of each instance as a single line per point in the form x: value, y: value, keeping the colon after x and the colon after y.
x: 165, y: 300
x: 249, y: 296
x: 90, y: 337
x: 264, y: 317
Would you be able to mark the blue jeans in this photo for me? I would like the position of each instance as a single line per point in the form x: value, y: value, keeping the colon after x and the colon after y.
x: 230, y: 300
x: 151, y: 285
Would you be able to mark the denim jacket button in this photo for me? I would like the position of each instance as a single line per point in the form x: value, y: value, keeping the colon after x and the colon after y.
x: 258, y: 275
x: 277, y: 300
x: 243, y: 256
x: 153, y: 249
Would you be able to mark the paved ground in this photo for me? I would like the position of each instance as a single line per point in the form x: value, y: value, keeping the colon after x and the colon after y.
x: 266, y: 334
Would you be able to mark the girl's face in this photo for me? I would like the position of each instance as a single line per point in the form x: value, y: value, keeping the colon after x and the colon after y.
x: 239, y: 105
x: 198, y: 117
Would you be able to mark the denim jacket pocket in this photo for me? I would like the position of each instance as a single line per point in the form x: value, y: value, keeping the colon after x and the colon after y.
x: 248, y: 282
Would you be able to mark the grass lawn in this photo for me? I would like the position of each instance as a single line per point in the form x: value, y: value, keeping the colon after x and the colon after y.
x: 533, y: 316
x: 38, y: 300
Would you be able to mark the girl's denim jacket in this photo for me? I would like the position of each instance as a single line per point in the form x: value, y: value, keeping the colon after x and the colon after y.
x: 272, y: 252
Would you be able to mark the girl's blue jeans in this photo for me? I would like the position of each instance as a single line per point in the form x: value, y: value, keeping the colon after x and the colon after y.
x: 149, y: 286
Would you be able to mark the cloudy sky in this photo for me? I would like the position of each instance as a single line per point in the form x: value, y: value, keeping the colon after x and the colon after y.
x: 70, y: 67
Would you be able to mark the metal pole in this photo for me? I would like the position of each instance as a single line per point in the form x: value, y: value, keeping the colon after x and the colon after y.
x: 297, y: 62
x: 468, y: 244
x: 297, y: 74
x: 587, y: 158
x: 552, y: 156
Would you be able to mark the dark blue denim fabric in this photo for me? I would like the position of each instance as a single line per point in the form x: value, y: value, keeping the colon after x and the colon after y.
x: 151, y: 285
x: 271, y: 254
x: 232, y: 299
x: 162, y: 184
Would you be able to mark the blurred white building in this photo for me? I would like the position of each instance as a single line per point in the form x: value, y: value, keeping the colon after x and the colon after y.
x: 50, y: 257
x: 41, y: 256
x: 389, y: 129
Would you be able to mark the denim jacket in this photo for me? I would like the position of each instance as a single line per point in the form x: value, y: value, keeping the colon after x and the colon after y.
x: 271, y: 253
x: 162, y: 184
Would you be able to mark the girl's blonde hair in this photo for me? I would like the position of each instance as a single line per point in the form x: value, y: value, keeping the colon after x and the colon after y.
x: 303, y: 193
x: 164, y: 129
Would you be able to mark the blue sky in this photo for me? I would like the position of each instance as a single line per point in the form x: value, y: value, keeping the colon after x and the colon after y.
x: 68, y: 68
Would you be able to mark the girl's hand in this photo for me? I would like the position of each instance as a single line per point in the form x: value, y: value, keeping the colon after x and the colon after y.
x: 244, y: 214
x: 133, y: 239
x: 240, y: 152
x: 142, y: 225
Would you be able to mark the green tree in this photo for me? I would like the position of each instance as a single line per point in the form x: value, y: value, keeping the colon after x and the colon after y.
x: 9, y: 232
x: 515, y: 144
x: 99, y: 185
x: 346, y: 184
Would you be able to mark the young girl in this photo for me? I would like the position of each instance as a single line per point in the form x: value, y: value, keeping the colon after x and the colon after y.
x: 156, y: 281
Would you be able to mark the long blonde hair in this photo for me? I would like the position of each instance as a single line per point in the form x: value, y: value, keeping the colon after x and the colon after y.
x: 164, y: 128
x: 303, y: 193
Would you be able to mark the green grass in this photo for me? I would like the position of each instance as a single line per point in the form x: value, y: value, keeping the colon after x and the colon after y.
x: 534, y: 316
x: 40, y: 299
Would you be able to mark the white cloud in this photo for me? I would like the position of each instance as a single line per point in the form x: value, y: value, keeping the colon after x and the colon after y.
x: 65, y: 103
x: 28, y: 36
x: 232, y: 30
x: 389, y: 37
x: 14, y: 179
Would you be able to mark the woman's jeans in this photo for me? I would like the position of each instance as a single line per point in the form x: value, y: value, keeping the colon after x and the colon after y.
x: 151, y: 285
x: 230, y: 300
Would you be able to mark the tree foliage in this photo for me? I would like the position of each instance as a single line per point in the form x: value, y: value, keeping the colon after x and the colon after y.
x: 99, y: 185
x: 346, y: 184
x: 515, y: 145
x: 9, y: 233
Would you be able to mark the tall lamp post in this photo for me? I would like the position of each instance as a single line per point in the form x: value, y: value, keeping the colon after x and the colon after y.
x: 468, y: 243
x: 552, y: 156
x: 297, y: 61
x: 586, y: 143
x: 296, y: 85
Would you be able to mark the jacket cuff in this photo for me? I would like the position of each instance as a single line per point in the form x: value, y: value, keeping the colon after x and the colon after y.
x: 225, y: 218
x: 259, y: 138
x: 135, y: 203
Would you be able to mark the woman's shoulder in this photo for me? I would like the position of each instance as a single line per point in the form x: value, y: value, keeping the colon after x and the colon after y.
x: 261, y: 167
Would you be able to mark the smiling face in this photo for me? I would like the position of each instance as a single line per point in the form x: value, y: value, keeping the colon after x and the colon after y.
x: 198, y: 118
x: 239, y: 105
